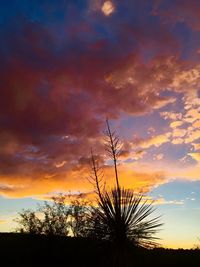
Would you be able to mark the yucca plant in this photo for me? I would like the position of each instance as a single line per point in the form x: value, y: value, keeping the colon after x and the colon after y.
x: 122, y: 216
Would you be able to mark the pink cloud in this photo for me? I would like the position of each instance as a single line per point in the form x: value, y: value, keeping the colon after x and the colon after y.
x: 179, y: 11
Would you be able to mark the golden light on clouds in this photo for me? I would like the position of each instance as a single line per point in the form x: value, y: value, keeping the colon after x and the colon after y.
x: 156, y: 140
x: 177, y: 141
x: 175, y: 124
x: 193, y: 136
x: 77, y: 181
x: 108, y: 8
x: 195, y: 156
x: 60, y: 164
x: 196, y: 146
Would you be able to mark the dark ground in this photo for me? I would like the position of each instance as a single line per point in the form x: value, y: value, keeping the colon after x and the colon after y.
x: 29, y: 250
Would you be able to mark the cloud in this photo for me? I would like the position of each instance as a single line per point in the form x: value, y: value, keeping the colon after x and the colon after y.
x: 156, y: 140
x: 176, y: 124
x: 192, y: 115
x: 195, y: 156
x: 171, y: 115
x: 192, y: 136
x: 60, y: 164
x: 190, y: 173
x: 177, y: 132
x: 131, y: 155
x: 196, y: 124
x: 185, y: 126
x: 76, y: 181
x: 174, y: 12
x: 196, y: 146
x: 61, y: 77
x: 162, y: 201
x: 133, y: 178
x: 177, y: 141
x: 158, y: 156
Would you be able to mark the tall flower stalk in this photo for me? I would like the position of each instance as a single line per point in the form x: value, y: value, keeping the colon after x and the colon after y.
x: 122, y: 216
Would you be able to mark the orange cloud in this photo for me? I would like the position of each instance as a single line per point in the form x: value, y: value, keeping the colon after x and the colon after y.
x: 177, y: 132
x: 183, y: 172
x: 195, y: 156
x: 76, y: 181
x: 196, y: 146
x: 175, y: 124
x: 171, y: 115
x: 156, y: 140
x: 177, y: 141
x: 134, y: 155
x: 192, y: 136
x: 196, y: 124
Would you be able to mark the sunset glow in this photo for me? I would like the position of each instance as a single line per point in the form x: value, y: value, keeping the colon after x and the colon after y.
x: 66, y: 66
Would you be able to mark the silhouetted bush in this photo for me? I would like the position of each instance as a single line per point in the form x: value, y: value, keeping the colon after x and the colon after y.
x: 29, y: 222
x: 80, y: 217
x: 55, y: 217
x: 76, y: 218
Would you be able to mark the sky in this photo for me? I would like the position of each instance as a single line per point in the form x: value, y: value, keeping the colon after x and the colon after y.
x: 68, y: 65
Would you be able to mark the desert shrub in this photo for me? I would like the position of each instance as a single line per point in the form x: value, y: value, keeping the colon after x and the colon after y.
x: 80, y: 217
x: 55, y: 217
